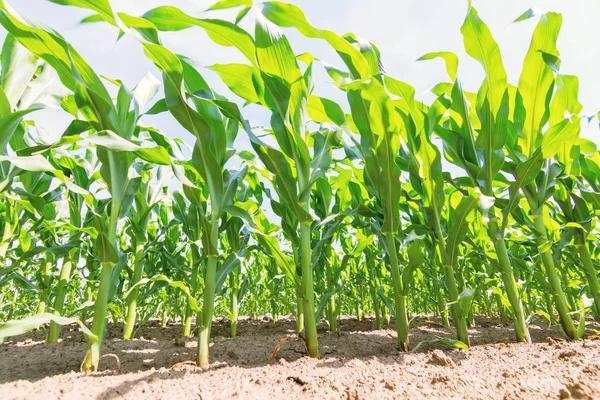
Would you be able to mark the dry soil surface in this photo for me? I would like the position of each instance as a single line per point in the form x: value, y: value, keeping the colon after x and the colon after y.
x: 358, y: 362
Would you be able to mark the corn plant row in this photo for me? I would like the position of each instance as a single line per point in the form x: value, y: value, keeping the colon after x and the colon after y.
x: 334, y: 209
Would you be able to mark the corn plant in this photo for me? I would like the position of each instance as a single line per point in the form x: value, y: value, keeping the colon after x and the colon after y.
x: 331, y: 209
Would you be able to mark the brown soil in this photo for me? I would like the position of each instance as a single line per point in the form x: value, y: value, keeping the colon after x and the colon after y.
x: 356, y: 363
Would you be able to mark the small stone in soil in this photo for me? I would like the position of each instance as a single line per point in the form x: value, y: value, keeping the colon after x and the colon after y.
x: 439, y: 358
x: 568, y: 354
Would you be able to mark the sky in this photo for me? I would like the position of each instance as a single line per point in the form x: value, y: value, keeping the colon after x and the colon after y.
x: 403, y: 30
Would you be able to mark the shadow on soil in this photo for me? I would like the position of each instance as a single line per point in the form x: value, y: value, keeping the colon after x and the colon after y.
x: 26, y: 357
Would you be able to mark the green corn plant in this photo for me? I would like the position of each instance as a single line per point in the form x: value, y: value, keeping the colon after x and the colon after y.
x: 482, y: 156
x: 189, y: 216
x: 426, y: 177
x: 378, y: 124
x: 76, y: 202
x: 145, y: 200
x: 237, y: 239
x: 536, y: 176
x: 577, y: 217
x: 285, y: 95
x: 333, y: 219
x: 116, y: 124
x: 213, y: 132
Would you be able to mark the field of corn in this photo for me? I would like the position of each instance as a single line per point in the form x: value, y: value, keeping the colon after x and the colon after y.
x: 382, y: 211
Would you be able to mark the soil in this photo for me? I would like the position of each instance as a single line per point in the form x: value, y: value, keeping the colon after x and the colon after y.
x: 358, y: 362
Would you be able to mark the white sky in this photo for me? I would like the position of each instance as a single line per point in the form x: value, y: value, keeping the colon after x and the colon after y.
x: 403, y: 31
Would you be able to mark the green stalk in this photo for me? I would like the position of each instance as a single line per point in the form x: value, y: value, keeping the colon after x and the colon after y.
x: 59, y: 300
x: 510, y: 285
x: 308, y: 297
x: 332, y: 307
x: 355, y: 299
x: 132, y: 299
x: 8, y: 232
x: 383, y: 310
x: 501, y: 311
x: 460, y: 321
x: 332, y: 317
x: 187, y: 323
x: 208, y: 305
x: 234, y: 304
x: 470, y: 320
x: 92, y: 357
x: 373, y: 293
x: 41, y: 308
x: 360, y: 301
x: 440, y: 303
x: 272, y: 285
x: 548, y: 262
x: 589, y: 271
x: 549, y: 307
x: 401, y: 317
x: 88, y: 298
x: 165, y: 319
x: 274, y: 312
x: 299, y: 311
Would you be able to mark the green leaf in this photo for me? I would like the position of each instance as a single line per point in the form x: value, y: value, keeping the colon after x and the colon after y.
x: 323, y: 303
x: 269, y: 244
x: 480, y: 45
x: 222, y: 4
x: 9, y: 124
x: 449, y: 58
x: 239, y: 79
x: 415, y: 259
x: 31, y: 163
x: 374, y: 114
x: 203, y: 156
x: 492, y: 138
x: 192, y: 303
x: 111, y: 141
x: 530, y: 13
x: 56, y: 250
x: 388, y: 303
x: 290, y: 15
x: 457, y: 344
x: 232, y: 261
x: 459, y: 227
x: 18, y: 68
x: 169, y: 18
x: 276, y: 58
x: 146, y: 90
x: 544, y: 247
x: 465, y: 298
x: 536, y: 82
x: 105, y: 250
x: 525, y: 173
x: 324, y: 110
x: 556, y: 137
x: 21, y: 326
x: 102, y: 7
x: 155, y: 155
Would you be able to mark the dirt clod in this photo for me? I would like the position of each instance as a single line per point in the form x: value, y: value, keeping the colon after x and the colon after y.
x: 439, y: 358
x: 569, y: 354
x: 297, y: 380
x: 352, y: 394
x: 582, y: 391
